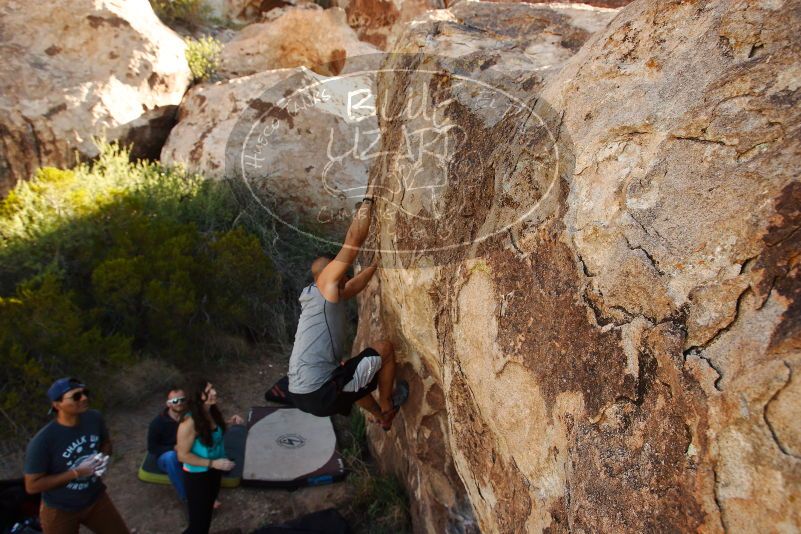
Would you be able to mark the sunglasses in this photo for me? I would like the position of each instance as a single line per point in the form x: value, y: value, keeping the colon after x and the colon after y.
x: 176, y: 400
x: 78, y: 395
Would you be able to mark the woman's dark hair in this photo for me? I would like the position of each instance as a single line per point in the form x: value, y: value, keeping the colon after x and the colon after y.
x: 196, y: 390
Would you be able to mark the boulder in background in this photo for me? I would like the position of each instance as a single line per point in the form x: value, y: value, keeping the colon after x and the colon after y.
x: 305, y: 169
x: 289, y: 37
x: 73, y: 70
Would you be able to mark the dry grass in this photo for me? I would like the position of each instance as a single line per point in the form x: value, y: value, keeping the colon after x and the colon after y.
x: 141, y: 380
x: 380, y: 504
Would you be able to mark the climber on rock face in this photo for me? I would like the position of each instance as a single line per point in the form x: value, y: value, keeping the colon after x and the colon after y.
x: 321, y: 382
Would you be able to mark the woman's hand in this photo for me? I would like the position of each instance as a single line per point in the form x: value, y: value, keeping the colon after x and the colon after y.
x: 222, y: 464
x: 236, y: 420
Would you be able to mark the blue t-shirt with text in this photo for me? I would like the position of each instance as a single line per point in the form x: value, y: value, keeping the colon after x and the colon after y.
x: 57, y: 448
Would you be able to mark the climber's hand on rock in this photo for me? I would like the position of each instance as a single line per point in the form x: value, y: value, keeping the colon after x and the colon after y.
x: 371, y: 190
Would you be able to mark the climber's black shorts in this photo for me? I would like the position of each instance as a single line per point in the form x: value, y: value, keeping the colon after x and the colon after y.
x: 330, y: 399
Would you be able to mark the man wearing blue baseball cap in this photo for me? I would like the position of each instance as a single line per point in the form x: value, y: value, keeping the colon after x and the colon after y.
x: 65, y: 461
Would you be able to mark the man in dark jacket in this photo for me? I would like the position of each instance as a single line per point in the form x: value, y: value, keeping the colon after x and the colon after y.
x: 161, y: 439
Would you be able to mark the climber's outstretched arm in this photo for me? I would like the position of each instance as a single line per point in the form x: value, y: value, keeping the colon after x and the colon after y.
x: 355, y: 285
x: 329, y: 279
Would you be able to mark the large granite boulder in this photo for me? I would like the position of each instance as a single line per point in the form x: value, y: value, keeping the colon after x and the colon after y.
x: 304, y: 171
x: 73, y: 70
x: 599, y: 311
x: 308, y: 35
x: 483, y: 62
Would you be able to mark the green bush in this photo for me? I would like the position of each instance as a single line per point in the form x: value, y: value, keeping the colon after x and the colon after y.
x: 45, y: 334
x: 203, y: 56
x: 113, y: 262
x: 192, y: 13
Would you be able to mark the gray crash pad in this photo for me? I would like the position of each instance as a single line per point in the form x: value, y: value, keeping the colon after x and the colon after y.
x: 286, y: 447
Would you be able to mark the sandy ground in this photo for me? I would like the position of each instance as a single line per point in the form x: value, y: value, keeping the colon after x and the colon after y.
x: 155, y: 509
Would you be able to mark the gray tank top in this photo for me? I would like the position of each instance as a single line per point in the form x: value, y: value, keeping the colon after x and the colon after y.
x: 319, y: 341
